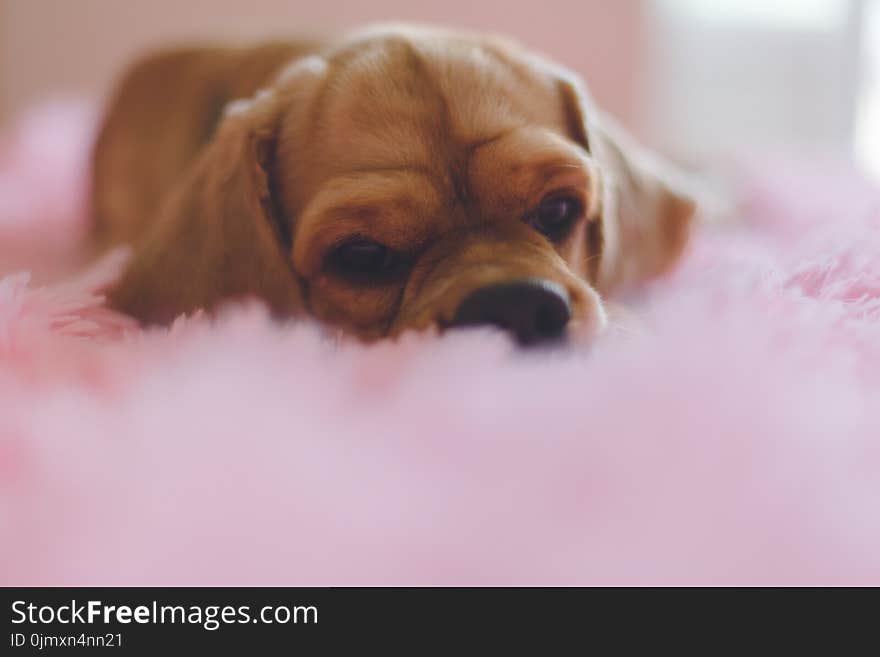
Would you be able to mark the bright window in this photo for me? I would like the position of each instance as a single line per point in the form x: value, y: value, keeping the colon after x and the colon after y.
x: 794, y: 14
x: 867, y: 138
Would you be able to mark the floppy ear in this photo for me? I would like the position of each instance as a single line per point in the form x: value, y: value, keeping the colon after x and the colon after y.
x: 219, y: 234
x: 646, y: 212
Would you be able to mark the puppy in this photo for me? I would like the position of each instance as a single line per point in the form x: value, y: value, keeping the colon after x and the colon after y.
x: 397, y: 178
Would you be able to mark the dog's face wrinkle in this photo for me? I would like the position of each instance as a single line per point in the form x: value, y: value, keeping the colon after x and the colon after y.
x: 595, y: 241
x: 281, y: 222
x: 392, y: 168
x: 395, y: 312
x: 305, y: 293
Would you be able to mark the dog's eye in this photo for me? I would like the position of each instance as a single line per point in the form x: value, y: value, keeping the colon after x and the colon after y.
x: 362, y: 258
x: 555, y: 215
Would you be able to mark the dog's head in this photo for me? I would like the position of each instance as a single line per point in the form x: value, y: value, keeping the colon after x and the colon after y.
x: 413, y: 179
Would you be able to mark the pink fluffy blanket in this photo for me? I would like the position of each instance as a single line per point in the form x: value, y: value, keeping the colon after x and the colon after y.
x: 735, y: 440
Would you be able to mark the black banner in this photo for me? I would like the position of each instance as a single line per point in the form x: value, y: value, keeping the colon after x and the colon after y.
x: 347, y: 621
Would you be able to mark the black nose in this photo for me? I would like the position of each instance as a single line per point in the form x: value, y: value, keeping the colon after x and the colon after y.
x: 533, y: 310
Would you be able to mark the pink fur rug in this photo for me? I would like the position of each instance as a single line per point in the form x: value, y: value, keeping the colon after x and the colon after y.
x: 735, y: 441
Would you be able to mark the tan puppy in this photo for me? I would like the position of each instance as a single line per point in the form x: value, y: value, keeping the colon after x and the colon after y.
x: 398, y: 178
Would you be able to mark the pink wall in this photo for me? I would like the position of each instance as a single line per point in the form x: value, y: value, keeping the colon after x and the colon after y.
x: 50, y: 47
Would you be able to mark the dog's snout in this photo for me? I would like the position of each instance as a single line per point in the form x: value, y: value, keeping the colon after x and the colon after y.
x: 532, y: 310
